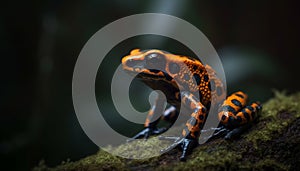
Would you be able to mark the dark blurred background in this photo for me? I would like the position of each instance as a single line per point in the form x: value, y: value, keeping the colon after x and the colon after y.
x: 41, y: 40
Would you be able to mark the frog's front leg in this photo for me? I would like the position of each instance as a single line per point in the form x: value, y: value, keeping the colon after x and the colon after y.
x: 153, y: 117
x: 191, y: 132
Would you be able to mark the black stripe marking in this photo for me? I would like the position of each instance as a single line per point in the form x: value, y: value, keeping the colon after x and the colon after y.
x: 168, y: 77
x: 154, y: 70
x: 197, y: 78
x: 195, y: 67
x: 212, y: 85
x: 228, y: 109
x: 206, y: 78
x: 236, y: 102
x: 239, y: 95
x: 246, y: 115
x: 250, y: 108
x: 231, y: 121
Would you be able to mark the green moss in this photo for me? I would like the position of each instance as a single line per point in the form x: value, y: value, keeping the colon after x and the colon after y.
x: 269, y: 164
x: 276, y: 115
x: 100, y: 161
x: 269, y: 144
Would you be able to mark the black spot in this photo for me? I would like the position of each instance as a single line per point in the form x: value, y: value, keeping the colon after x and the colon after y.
x: 206, y: 78
x: 203, y: 110
x: 228, y: 108
x: 212, y: 85
x: 239, y: 95
x: 197, y: 78
x: 223, y: 117
x: 201, y: 117
x: 236, y: 102
x: 193, y: 121
x: 219, y: 91
x: 246, y: 115
x: 186, y: 77
x: 154, y: 70
x: 168, y: 77
x: 250, y: 108
x: 195, y: 67
x: 174, y: 68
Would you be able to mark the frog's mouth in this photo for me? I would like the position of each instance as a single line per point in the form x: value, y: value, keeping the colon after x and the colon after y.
x: 142, y: 73
x: 154, y: 75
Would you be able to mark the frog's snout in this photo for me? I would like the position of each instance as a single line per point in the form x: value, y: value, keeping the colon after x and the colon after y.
x: 131, y: 63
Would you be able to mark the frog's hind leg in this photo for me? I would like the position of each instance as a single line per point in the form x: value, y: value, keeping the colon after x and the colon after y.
x: 235, y: 115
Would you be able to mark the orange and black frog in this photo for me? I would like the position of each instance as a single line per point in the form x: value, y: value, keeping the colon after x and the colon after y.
x: 187, y: 81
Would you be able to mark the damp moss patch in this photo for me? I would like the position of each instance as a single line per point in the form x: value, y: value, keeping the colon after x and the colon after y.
x: 271, y: 143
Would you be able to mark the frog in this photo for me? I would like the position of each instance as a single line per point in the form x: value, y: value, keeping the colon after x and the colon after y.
x: 187, y: 82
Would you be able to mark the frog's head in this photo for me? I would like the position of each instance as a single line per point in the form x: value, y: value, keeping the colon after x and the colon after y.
x: 160, y: 65
x: 154, y: 63
x: 151, y: 62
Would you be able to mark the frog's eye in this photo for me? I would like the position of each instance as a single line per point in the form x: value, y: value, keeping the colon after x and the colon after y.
x: 154, y: 59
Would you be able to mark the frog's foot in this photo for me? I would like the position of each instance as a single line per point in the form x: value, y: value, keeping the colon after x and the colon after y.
x: 236, y: 132
x: 214, y: 133
x: 147, y: 132
x: 185, y: 144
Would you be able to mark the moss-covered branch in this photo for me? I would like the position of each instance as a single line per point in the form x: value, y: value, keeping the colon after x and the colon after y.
x: 272, y: 143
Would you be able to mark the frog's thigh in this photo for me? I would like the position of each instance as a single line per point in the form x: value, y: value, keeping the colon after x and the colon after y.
x: 234, y: 111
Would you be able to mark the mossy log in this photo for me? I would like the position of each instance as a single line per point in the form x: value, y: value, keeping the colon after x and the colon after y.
x: 273, y: 142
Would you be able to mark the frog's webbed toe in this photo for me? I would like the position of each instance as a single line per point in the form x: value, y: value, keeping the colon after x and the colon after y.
x: 147, y: 132
x: 185, y: 144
